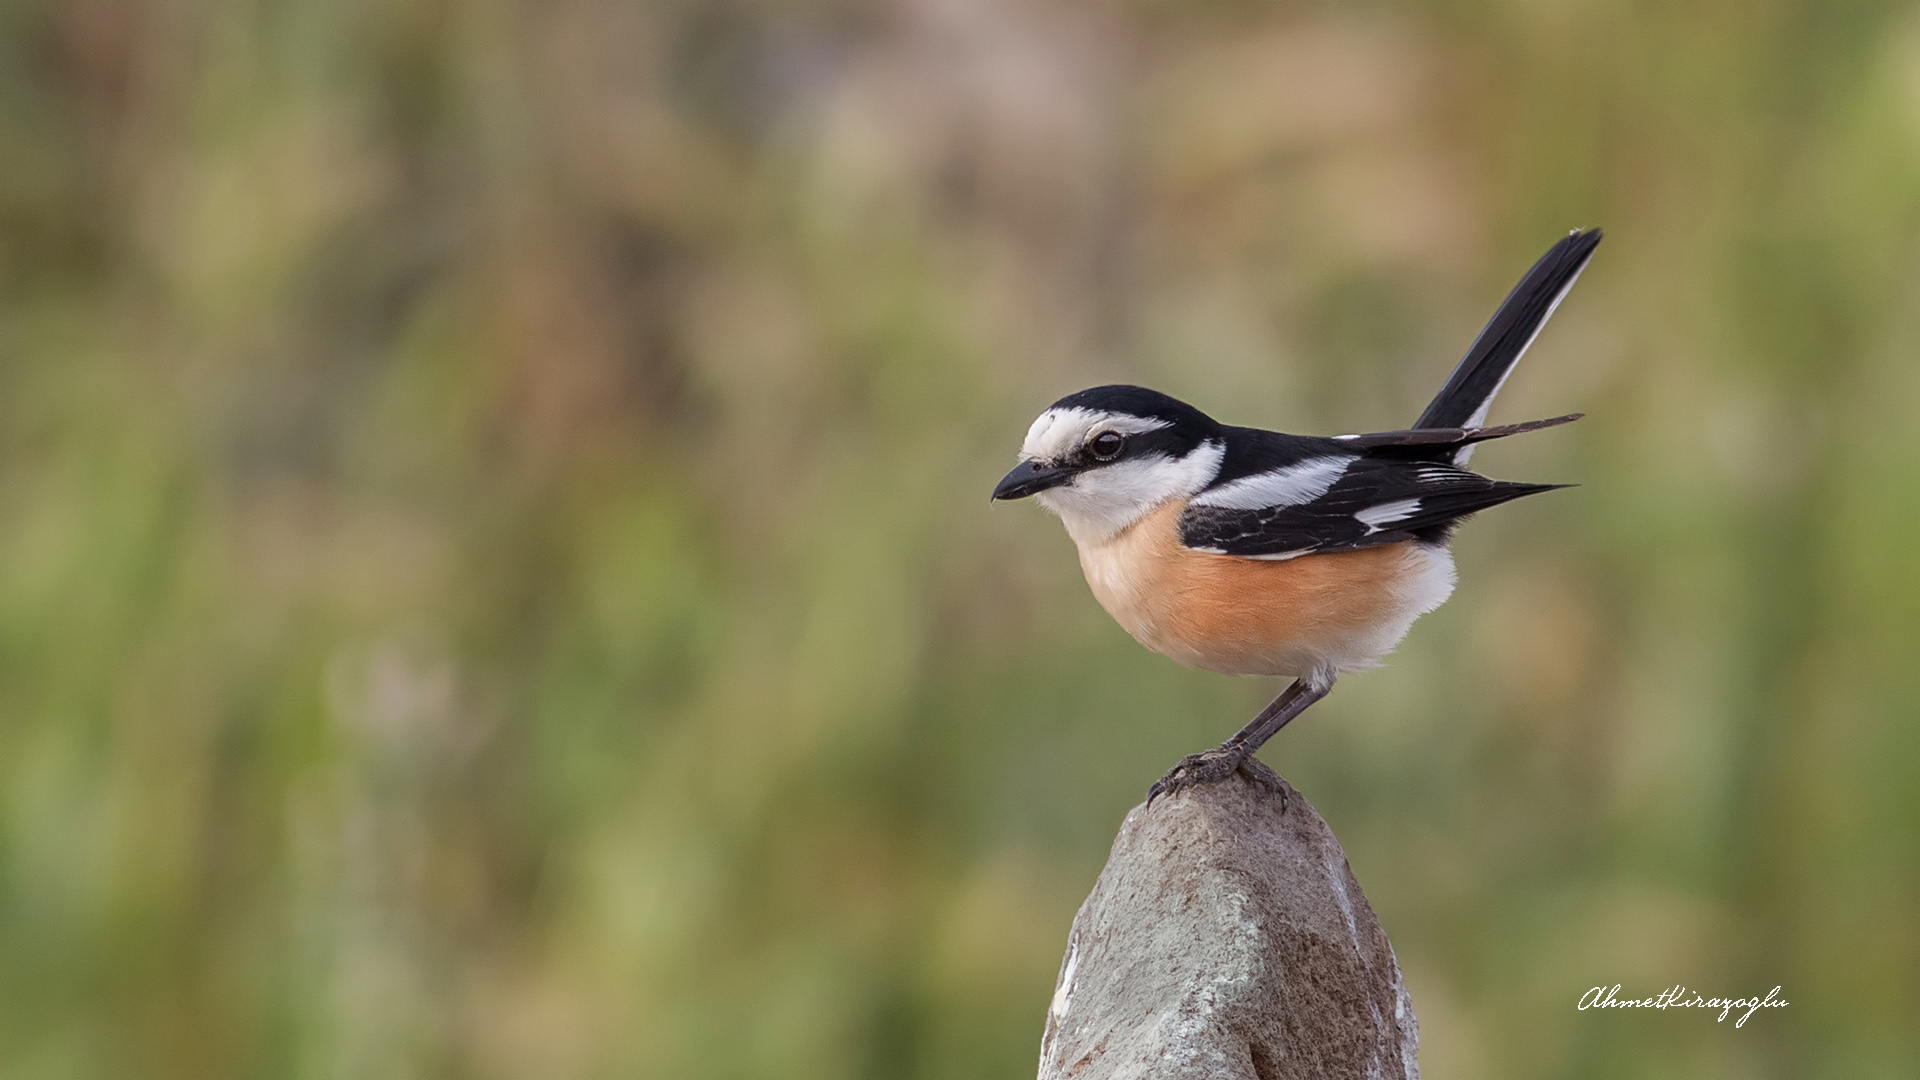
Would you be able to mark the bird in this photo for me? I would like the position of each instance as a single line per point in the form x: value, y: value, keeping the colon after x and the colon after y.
x: 1253, y: 552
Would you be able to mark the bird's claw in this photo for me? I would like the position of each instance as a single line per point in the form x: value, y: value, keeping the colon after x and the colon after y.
x: 1211, y: 766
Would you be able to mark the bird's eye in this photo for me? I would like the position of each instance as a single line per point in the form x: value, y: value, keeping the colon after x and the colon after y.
x: 1106, y: 445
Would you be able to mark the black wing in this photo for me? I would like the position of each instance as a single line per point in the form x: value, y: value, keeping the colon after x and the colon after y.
x: 1374, y: 501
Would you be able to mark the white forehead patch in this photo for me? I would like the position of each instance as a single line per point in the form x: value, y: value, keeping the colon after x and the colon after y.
x: 1060, y: 432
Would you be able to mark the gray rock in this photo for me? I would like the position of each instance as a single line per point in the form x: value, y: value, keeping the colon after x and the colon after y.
x: 1227, y: 939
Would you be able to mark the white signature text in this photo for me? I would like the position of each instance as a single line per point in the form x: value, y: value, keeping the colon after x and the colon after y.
x: 1679, y: 997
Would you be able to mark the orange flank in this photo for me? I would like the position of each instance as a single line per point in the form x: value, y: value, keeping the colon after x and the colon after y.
x: 1326, y: 612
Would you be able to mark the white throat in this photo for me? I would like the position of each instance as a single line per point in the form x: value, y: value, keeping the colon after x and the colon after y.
x: 1101, y: 502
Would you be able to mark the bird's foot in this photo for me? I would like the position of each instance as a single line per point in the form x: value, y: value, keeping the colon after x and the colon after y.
x: 1257, y: 771
x: 1212, y: 766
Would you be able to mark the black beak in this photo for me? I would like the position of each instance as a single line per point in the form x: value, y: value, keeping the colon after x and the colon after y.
x: 1030, y: 477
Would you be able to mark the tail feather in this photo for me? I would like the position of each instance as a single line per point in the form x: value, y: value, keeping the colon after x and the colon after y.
x: 1469, y: 392
x: 1439, y: 442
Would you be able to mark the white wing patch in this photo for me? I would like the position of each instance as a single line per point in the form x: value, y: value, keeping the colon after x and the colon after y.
x: 1291, y: 485
x: 1377, y: 517
x: 1059, y: 432
x: 1276, y: 556
x: 1283, y: 556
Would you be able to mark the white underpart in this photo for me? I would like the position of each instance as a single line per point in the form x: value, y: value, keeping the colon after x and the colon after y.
x: 1479, y: 416
x: 1103, y: 500
x: 1419, y: 592
x: 1431, y: 587
x: 1059, y: 432
x: 1376, y: 517
x: 1291, y: 485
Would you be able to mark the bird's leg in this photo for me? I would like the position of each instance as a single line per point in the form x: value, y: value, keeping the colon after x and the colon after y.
x: 1237, y: 753
x: 1286, y: 705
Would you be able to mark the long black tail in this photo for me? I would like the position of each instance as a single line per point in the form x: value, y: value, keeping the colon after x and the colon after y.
x: 1463, y: 402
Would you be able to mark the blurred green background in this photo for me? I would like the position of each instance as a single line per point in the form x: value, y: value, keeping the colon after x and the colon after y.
x: 496, y: 577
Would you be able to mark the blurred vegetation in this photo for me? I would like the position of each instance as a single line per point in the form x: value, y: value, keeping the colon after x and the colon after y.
x: 496, y: 577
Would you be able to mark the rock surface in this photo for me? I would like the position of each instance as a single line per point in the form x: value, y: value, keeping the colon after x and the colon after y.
x: 1227, y: 939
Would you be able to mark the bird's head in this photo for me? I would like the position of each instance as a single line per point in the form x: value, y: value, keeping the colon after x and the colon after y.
x: 1104, y: 457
